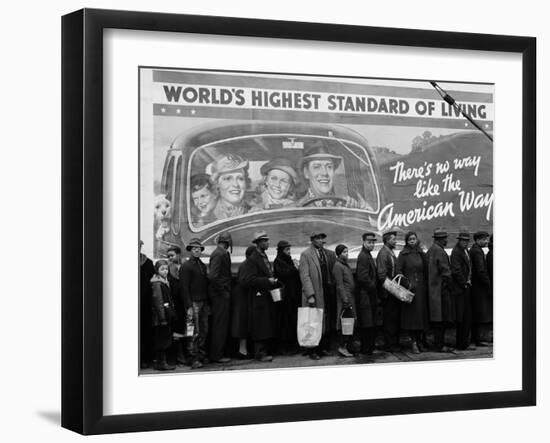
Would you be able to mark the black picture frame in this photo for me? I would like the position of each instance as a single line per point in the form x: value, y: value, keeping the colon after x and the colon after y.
x: 82, y: 230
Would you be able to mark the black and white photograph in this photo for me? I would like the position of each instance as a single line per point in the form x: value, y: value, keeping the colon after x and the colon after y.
x: 291, y: 221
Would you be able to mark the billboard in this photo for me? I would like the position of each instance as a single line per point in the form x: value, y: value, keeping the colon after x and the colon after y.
x: 292, y: 154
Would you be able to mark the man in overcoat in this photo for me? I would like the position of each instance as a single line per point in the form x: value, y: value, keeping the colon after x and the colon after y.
x: 316, y: 265
x: 461, y: 271
x: 440, y: 301
x: 482, y: 294
x: 220, y: 297
x: 194, y: 294
x: 385, y: 265
x: 367, y: 295
x: 257, y: 278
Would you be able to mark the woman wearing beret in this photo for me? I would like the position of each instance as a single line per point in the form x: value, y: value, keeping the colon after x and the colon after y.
x: 412, y: 263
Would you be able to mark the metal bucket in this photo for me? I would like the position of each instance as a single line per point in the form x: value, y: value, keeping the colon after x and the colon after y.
x: 277, y: 294
x: 347, y: 325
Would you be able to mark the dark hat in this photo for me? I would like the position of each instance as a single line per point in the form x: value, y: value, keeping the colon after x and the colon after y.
x: 463, y: 235
x: 194, y: 242
x: 225, y: 164
x: 283, y: 164
x: 369, y: 236
x: 319, y: 151
x: 250, y: 250
x: 339, y: 249
x: 391, y: 232
x: 480, y: 234
x: 317, y: 235
x: 440, y: 233
x: 199, y: 181
x: 260, y: 235
x: 283, y: 244
x: 224, y: 237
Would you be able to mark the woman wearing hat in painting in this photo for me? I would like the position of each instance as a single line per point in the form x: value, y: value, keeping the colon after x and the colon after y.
x: 413, y: 264
x: 277, y: 189
x: 285, y: 269
x: 230, y: 177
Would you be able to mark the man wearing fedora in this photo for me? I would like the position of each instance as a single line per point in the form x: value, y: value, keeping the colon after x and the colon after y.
x: 461, y: 271
x: 316, y: 264
x: 440, y: 301
x: 482, y: 293
x: 386, y: 262
x: 319, y: 166
x: 194, y: 293
x: 257, y: 278
x: 230, y: 177
x: 220, y: 297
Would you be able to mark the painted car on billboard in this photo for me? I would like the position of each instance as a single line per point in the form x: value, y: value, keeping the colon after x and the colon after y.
x: 348, y: 202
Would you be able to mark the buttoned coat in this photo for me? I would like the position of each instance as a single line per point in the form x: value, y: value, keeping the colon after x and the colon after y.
x: 413, y: 264
x: 440, y: 299
x: 193, y: 282
x: 255, y: 279
x: 460, y: 270
x: 311, y: 277
x: 482, y: 294
x: 219, y: 273
x: 345, y: 289
x: 367, y: 289
x: 385, y: 266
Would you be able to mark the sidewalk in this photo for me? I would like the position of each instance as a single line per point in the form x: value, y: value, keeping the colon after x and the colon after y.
x: 300, y: 361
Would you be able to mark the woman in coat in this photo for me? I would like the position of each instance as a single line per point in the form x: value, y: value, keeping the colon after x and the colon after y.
x: 164, y: 315
x: 286, y: 271
x: 412, y: 263
x: 345, y: 295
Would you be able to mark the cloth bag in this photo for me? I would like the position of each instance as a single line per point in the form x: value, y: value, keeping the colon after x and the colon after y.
x: 310, y: 327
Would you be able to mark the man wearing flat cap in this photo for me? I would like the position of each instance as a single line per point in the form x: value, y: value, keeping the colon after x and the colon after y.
x: 319, y: 166
x: 220, y: 297
x: 230, y: 177
x: 385, y: 264
x: 440, y: 301
x: 277, y: 190
x: 193, y: 280
x: 482, y: 294
x: 257, y: 278
x: 461, y: 271
x: 367, y: 295
x: 316, y: 264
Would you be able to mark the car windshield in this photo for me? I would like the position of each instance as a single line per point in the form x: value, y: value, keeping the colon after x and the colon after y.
x: 256, y: 174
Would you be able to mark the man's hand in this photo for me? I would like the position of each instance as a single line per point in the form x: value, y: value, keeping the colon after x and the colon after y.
x: 311, y: 301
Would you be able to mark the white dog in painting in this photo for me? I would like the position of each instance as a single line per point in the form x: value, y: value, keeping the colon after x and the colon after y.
x: 163, y: 215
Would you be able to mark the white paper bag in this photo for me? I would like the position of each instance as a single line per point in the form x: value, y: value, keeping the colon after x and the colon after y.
x: 310, y: 326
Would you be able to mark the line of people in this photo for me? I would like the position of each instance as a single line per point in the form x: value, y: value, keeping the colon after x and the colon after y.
x: 206, y: 315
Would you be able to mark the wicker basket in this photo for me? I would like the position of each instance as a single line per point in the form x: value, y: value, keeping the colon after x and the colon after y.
x: 394, y: 288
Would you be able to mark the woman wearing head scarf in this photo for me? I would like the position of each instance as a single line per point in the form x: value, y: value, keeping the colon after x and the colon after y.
x: 285, y: 269
x: 412, y: 263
